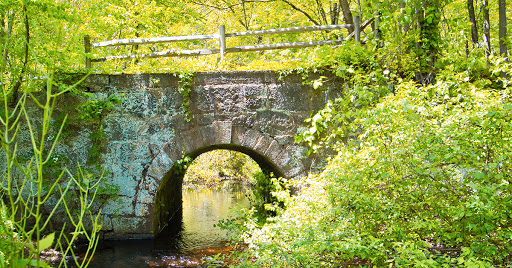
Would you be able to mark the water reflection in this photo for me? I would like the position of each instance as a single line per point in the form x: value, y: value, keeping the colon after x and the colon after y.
x: 185, y: 241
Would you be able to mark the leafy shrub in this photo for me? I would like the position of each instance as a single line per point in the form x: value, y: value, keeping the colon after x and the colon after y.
x: 427, y: 183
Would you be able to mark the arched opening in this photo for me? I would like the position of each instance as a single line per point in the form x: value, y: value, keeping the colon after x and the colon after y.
x: 168, y: 206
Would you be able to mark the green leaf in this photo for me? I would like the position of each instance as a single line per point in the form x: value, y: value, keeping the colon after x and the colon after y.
x: 39, y: 264
x: 45, y: 242
x: 21, y: 263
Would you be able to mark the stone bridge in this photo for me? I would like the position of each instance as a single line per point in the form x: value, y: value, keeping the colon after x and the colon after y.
x: 255, y: 113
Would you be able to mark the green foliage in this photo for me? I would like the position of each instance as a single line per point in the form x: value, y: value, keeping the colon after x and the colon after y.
x: 269, y: 196
x: 221, y: 169
x: 185, y: 89
x: 427, y: 183
x: 95, y: 110
x: 183, y: 163
x: 98, y: 108
x: 33, y: 193
x: 366, y: 82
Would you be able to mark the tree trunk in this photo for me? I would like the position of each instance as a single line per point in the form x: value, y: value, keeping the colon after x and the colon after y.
x: 321, y: 11
x: 428, y: 46
x: 335, y: 13
x: 472, y: 19
x: 486, y: 28
x: 347, y: 14
x: 503, y: 27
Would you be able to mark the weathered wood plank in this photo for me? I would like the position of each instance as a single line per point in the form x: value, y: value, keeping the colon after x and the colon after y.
x: 357, y: 29
x: 160, y: 54
x: 282, y: 46
x: 198, y: 52
x: 154, y: 40
x: 169, y: 39
x: 87, y: 47
x: 291, y: 30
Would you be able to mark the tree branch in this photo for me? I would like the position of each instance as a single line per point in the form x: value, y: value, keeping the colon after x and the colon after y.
x: 301, y: 11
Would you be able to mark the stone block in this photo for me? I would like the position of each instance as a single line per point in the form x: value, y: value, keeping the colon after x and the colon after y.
x: 205, y: 100
x: 246, y: 119
x: 143, y: 210
x: 222, y: 131
x: 147, y: 196
x: 96, y: 82
x: 121, y: 206
x: 274, y: 150
x: 274, y: 123
x: 283, y: 159
x: 204, y: 120
x: 170, y: 102
x: 229, y: 100
x: 208, y: 135
x: 263, y: 144
x: 131, y: 225
x: 289, y: 98
x: 192, y: 140
x: 238, y: 134
x: 162, y: 80
x: 160, y: 165
x: 106, y: 222
x: 175, y: 148
x: 127, y: 184
x: 255, y: 103
x: 140, y: 104
x: 128, y: 82
x: 251, y: 138
x: 292, y: 169
x: 285, y: 139
x: 121, y: 128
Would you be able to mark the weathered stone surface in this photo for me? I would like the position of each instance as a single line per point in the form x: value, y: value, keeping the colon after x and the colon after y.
x: 251, y: 138
x: 222, y: 131
x: 253, y: 112
x: 263, y: 144
x: 140, y: 104
x: 160, y: 165
x: 238, y: 135
x: 131, y: 225
x: 174, y: 149
x: 97, y: 82
x: 208, y: 135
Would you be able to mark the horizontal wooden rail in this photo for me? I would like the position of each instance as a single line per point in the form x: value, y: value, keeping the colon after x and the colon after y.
x: 199, y: 52
x: 357, y: 29
x: 154, y: 40
x: 292, y: 30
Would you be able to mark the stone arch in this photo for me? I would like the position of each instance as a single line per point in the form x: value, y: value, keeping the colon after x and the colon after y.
x: 163, y: 179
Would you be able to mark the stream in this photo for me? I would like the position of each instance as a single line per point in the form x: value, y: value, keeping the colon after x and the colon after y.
x: 178, y: 246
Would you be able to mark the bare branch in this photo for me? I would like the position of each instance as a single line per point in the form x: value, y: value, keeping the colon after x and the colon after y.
x: 301, y: 11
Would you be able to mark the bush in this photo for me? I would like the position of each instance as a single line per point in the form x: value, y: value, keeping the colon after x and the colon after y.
x: 427, y: 183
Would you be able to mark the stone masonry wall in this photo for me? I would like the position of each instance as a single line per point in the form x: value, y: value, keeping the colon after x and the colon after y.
x: 252, y: 112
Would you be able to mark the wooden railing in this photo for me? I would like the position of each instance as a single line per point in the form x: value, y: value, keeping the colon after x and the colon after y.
x: 221, y: 36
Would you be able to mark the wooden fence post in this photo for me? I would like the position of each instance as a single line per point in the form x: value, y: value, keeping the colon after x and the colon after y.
x: 357, y: 28
x: 222, y: 37
x: 87, y: 46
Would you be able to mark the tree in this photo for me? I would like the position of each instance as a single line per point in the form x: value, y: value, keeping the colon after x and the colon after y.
x: 503, y: 27
x: 472, y: 19
x: 486, y: 28
x: 428, y: 47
